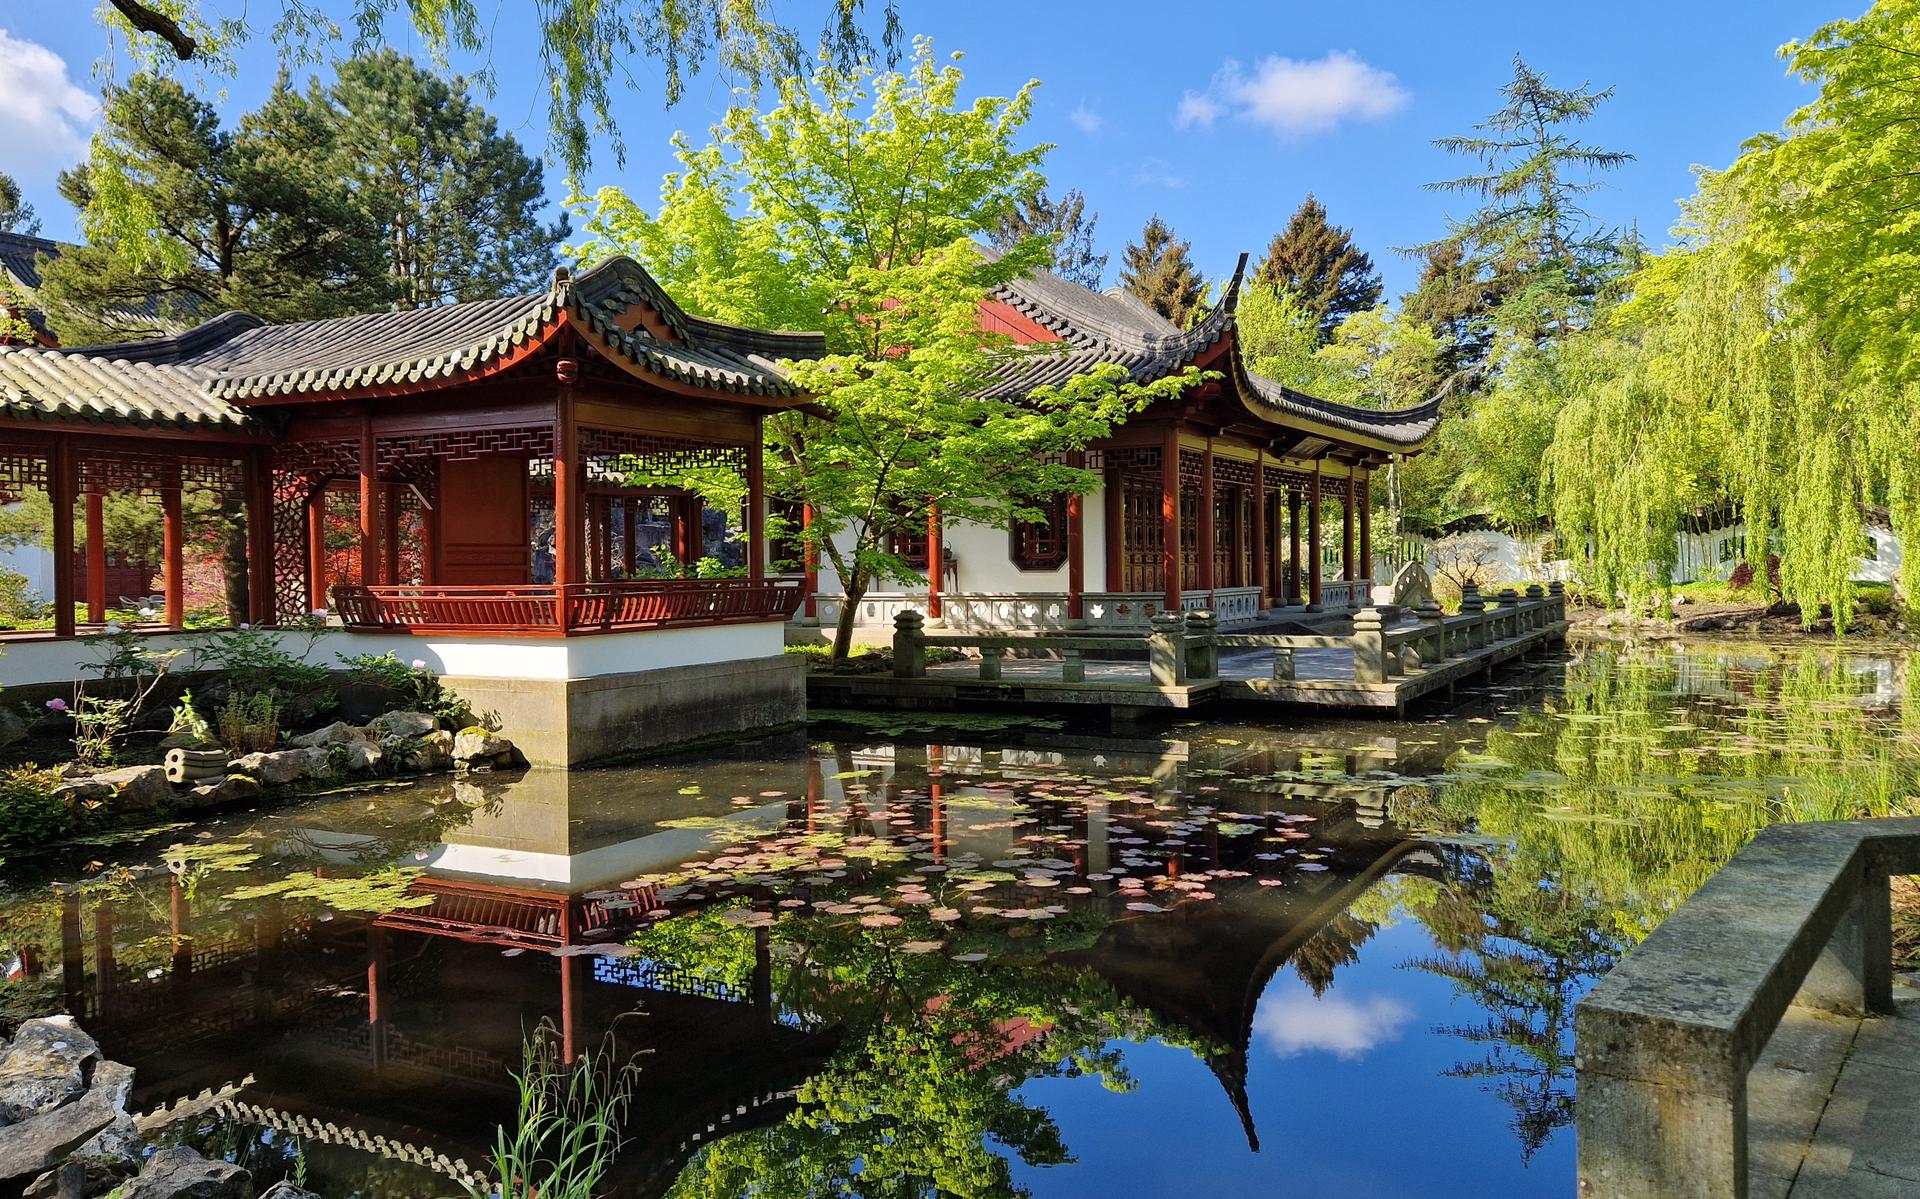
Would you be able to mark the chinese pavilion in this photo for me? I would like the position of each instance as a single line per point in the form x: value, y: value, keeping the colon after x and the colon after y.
x: 1218, y: 499
x: 458, y: 484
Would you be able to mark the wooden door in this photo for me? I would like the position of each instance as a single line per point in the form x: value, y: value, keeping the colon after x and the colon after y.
x: 483, y: 521
x: 1140, y: 521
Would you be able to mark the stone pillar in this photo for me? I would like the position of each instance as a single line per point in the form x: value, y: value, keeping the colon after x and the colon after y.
x: 1369, y: 647
x: 1661, y: 1138
x: 1433, y: 625
x: 1472, y: 605
x: 1853, y: 975
x: 1166, y: 649
x: 1203, y: 653
x: 909, y: 645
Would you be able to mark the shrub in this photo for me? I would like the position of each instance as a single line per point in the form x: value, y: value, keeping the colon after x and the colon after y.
x: 250, y: 723
x: 28, y: 810
x: 422, y: 688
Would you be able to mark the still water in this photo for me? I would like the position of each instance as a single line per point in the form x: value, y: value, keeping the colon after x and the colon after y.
x: 1008, y: 958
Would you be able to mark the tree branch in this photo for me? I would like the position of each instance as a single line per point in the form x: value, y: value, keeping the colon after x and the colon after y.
x: 159, y: 24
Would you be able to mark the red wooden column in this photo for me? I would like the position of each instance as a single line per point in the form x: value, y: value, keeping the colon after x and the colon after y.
x: 696, y: 529
x: 1076, y: 543
x: 1293, y: 546
x: 1365, y: 501
x: 317, y: 549
x: 1260, y: 563
x: 96, y: 558
x: 173, y: 541
x: 1206, y: 534
x: 756, y: 505
x: 936, y: 553
x: 569, y: 480
x: 1347, y: 565
x: 432, y: 542
x: 377, y: 956
x: 629, y: 553
x: 390, y: 533
x: 1313, y: 540
x: 1170, y: 519
x: 369, y: 502
x: 61, y: 484
x: 259, y: 484
x: 1116, y: 531
x: 809, y: 564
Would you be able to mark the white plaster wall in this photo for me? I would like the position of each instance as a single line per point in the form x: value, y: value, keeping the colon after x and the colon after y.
x: 28, y: 662
x: 984, y: 558
x: 1715, y: 554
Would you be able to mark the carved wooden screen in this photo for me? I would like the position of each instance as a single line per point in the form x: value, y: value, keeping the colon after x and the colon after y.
x: 1226, y: 535
x: 1140, y: 522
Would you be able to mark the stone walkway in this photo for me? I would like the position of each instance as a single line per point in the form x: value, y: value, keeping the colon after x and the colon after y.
x: 1834, y: 1106
x: 1328, y: 664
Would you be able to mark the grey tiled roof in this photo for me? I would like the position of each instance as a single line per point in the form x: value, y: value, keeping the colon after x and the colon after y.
x: 208, y: 374
x: 18, y: 252
x: 19, y: 264
x: 1118, y: 327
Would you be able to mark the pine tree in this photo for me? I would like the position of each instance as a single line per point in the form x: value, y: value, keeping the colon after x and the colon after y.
x: 1071, y: 226
x: 1458, y: 297
x: 459, y: 201
x: 1531, y: 224
x: 1319, y: 263
x: 16, y: 215
x: 1160, y: 271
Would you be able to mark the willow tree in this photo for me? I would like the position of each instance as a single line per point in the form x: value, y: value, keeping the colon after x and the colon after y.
x: 853, y: 205
x: 582, y: 44
x: 1788, y: 332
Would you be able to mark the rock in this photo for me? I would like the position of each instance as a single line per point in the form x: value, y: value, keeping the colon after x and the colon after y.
x: 44, y: 1067
x: 337, y: 733
x: 138, y: 787
x: 83, y: 791
x: 286, y: 1190
x: 34, y: 1146
x: 418, y: 755
x: 177, y: 1172
x: 12, y: 728
x: 402, y: 724
x: 478, y: 747
x: 111, y: 1157
x: 275, y: 768
x: 76, y: 770
x: 181, y: 740
x: 218, y: 792
x: 363, y: 757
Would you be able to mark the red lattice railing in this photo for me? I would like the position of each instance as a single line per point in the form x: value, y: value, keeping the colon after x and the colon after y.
x: 586, y: 607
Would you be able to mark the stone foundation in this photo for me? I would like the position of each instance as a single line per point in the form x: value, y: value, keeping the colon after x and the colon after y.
x: 574, y: 722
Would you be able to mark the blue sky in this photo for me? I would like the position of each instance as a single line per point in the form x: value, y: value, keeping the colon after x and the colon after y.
x: 1220, y: 115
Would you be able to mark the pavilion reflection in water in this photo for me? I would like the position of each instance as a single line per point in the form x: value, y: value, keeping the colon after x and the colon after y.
x: 398, y: 1034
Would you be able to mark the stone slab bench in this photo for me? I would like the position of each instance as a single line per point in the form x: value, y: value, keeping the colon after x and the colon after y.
x: 1666, y: 1040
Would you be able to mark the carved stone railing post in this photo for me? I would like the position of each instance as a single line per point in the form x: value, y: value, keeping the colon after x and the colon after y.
x: 1167, y: 650
x: 1557, y: 592
x: 1203, y: 652
x: 1536, y: 608
x: 1509, y: 613
x: 1473, y: 607
x: 1283, y: 667
x: 1369, y: 647
x: 1073, y: 666
x: 990, y: 656
x: 909, y: 645
x: 1433, y: 622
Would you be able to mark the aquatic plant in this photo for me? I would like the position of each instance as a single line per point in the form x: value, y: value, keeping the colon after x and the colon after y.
x: 566, y: 1133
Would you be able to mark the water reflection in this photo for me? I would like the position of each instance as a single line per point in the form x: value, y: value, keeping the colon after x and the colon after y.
x: 888, y: 965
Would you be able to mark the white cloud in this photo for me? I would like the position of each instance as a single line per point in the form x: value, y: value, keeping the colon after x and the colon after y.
x: 1086, y: 120
x: 1157, y: 172
x: 44, y: 117
x: 1298, y: 1023
x: 1293, y: 96
x: 1196, y: 108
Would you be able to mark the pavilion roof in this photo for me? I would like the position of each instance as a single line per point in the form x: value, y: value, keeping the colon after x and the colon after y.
x: 209, y: 375
x: 1115, y: 326
x: 20, y: 255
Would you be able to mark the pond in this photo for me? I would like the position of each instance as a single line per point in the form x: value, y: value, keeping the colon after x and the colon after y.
x: 1006, y: 958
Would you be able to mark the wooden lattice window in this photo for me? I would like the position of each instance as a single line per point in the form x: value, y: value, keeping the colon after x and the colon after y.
x: 1042, y: 544
x: 910, y: 547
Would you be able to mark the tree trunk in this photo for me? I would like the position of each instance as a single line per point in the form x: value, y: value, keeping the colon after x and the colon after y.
x: 851, y: 595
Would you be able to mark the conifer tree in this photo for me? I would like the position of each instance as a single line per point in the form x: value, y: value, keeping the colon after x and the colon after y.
x: 1159, y: 269
x: 1068, y: 223
x: 16, y: 215
x: 1319, y: 263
